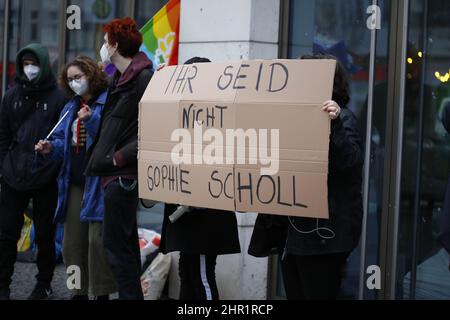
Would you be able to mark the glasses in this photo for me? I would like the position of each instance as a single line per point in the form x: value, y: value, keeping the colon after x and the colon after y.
x: 76, y: 77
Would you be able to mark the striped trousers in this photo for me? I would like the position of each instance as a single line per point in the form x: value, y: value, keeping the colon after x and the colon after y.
x: 198, y: 277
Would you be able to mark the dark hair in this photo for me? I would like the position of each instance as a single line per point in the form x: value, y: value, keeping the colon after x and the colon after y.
x: 125, y: 33
x: 97, y: 79
x: 197, y: 60
x: 341, y: 86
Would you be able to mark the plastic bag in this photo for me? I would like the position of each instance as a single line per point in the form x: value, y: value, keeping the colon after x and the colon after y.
x: 26, y: 247
x: 154, y: 278
x: 26, y: 240
x: 148, y: 242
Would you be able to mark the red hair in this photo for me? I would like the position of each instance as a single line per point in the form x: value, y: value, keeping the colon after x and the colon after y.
x: 125, y: 33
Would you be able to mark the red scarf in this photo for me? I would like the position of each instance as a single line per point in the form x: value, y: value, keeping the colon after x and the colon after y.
x: 82, y: 105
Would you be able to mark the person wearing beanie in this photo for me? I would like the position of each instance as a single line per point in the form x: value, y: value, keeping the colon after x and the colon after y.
x: 28, y: 112
x: 30, y: 56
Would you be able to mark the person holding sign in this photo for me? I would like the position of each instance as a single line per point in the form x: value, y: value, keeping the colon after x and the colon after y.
x: 314, y: 252
x: 80, y: 199
x: 200, y: 235
x: 29, y: 111
x: 114, y: 152
x: 444, y: 237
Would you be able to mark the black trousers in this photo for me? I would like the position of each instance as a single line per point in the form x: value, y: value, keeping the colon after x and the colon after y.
x: 13, y: 204
x: 313, y: 277
x: 120, y: 239
x: 198, y: 277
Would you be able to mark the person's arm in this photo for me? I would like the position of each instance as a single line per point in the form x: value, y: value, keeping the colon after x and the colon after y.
x: 92, y: 125
x: 6, y: 135
x: 128, y: 152
x: 346, y: 150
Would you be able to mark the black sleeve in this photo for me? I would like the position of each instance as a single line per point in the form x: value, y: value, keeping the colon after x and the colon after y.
x: 446, y: 117
x: 6, y: 135
x: 346, y: 148
x: 128, y: 152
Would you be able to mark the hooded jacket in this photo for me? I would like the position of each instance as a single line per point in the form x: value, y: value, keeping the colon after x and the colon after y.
x: 29, y: 111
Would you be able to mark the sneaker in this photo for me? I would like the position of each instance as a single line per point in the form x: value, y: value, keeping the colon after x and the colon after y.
x: 4, y: 294
x: 41, y: 292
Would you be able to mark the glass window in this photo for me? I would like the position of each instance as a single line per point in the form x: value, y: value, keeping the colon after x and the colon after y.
x: 34, y: 21
x: 423, y: 265
x: 145, y: 10
x: 339, y: 28
x: 94, y: 15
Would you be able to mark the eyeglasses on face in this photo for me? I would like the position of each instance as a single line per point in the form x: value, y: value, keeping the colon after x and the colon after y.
x: 75, y: 77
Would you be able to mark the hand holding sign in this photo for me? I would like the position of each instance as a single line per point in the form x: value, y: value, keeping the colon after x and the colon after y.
x: 44, y: 147
x: 160, y: 67
x: 332, y: 108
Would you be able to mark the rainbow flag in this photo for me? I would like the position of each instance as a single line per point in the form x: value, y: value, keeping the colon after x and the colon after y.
x: 161, y: 33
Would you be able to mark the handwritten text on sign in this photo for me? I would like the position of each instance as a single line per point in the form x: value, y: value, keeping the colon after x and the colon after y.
x: 244, y: 136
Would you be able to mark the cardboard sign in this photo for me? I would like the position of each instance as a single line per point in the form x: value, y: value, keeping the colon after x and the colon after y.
x: 245, y: 136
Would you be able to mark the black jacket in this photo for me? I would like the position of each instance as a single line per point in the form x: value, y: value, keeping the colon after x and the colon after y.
x: 444, y: 237
x: 201, y: 231
x: 118, y: 132
x: 28, y: 113
x: 346, y: 158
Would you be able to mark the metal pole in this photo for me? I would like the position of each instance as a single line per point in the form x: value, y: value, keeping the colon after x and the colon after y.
x: 394, y: 144
x: 394, y: 219
x: 5, y: 56
x: 62, y: 34
x: 132, y: 9
x: 368, y: 144
x: 283, y: 34
x: 418, y: 189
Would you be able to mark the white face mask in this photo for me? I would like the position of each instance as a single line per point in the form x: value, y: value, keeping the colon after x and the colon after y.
x: 31, y: 71
x: 104, y: 55
x: 80, y: 86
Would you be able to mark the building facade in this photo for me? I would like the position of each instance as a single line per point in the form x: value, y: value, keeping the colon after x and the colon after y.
x: 397, y: 55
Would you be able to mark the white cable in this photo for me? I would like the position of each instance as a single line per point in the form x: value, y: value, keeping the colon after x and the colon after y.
x: 317, y: 230
x: 181, y: 210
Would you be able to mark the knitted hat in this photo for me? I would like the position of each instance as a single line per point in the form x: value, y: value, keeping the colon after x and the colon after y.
x: 30, y: 56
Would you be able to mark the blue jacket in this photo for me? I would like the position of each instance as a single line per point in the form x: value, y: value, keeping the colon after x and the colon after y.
x: 92, y: 207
